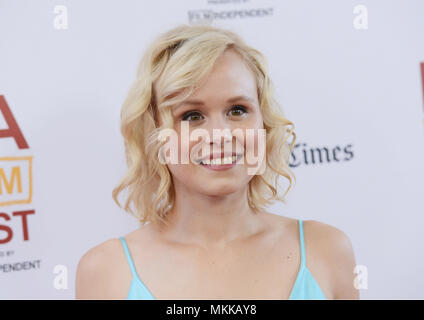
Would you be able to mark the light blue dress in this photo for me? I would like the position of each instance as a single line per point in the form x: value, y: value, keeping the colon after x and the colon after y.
x: 304, y: 288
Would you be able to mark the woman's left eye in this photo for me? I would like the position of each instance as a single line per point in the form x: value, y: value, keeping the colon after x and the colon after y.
x: 238, y: 109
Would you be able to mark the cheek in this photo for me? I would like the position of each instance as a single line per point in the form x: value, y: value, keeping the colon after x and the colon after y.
x: 253, y: 139
x: 184, y: 168
x: 188, y: 150
x: 178, y: 171
x: 252, y: 134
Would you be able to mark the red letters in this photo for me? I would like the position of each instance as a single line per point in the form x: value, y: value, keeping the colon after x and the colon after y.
x: 13, y: 130
x: 9, y: 230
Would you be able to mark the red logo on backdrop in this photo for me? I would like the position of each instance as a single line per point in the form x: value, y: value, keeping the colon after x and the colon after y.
x: 13, y: 130
x: 15, y: 178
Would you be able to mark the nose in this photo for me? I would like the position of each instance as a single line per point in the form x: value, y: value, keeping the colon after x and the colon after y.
x: 219, y: 129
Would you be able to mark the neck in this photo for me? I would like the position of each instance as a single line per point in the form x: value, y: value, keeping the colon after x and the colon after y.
x: 211, y: 221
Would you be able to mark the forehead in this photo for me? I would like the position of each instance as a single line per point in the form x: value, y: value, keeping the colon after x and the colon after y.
x: 229, y: 77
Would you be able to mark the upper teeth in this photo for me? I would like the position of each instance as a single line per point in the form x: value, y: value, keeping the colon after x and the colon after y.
x: 226, y: 160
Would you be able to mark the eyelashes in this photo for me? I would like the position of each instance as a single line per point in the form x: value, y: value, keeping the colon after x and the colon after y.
x: 186, y: 116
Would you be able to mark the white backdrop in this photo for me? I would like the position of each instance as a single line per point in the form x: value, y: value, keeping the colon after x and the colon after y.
x: 356, y: 91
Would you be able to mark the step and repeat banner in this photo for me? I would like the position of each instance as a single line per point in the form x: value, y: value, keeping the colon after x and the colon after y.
x: 349, y: 74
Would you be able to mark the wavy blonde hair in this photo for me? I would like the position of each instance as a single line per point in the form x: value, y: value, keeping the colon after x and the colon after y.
x: 169, y: 71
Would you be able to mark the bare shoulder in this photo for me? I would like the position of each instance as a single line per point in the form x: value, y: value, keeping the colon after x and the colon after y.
x: 278, y: 222
x: 101, y: 272
x: 327, y: 233
x: 333, y: 246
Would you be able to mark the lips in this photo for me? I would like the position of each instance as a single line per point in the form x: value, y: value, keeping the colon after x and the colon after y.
x: 220, y: 161
x: 218, y: 156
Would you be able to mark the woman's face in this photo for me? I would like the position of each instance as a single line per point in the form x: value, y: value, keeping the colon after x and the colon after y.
x: 226, y: 100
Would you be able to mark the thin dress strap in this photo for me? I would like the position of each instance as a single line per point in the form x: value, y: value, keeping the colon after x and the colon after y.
x: 302, y: 245
x: 127, y: 253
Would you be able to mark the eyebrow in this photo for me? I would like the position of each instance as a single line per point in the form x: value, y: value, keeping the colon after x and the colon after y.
x: 195, y: 102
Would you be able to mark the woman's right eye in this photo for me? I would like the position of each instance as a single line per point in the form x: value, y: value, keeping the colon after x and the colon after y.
x: 187, y: 115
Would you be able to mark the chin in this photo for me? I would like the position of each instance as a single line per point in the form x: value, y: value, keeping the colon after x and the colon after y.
x: 219, y: 190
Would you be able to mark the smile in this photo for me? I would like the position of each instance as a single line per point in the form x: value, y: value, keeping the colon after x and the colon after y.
x: 220, y: 163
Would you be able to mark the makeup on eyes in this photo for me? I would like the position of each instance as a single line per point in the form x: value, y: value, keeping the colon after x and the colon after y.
x: 239, y: 107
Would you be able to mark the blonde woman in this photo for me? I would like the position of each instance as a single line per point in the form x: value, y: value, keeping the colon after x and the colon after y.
x: 204, y: 232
